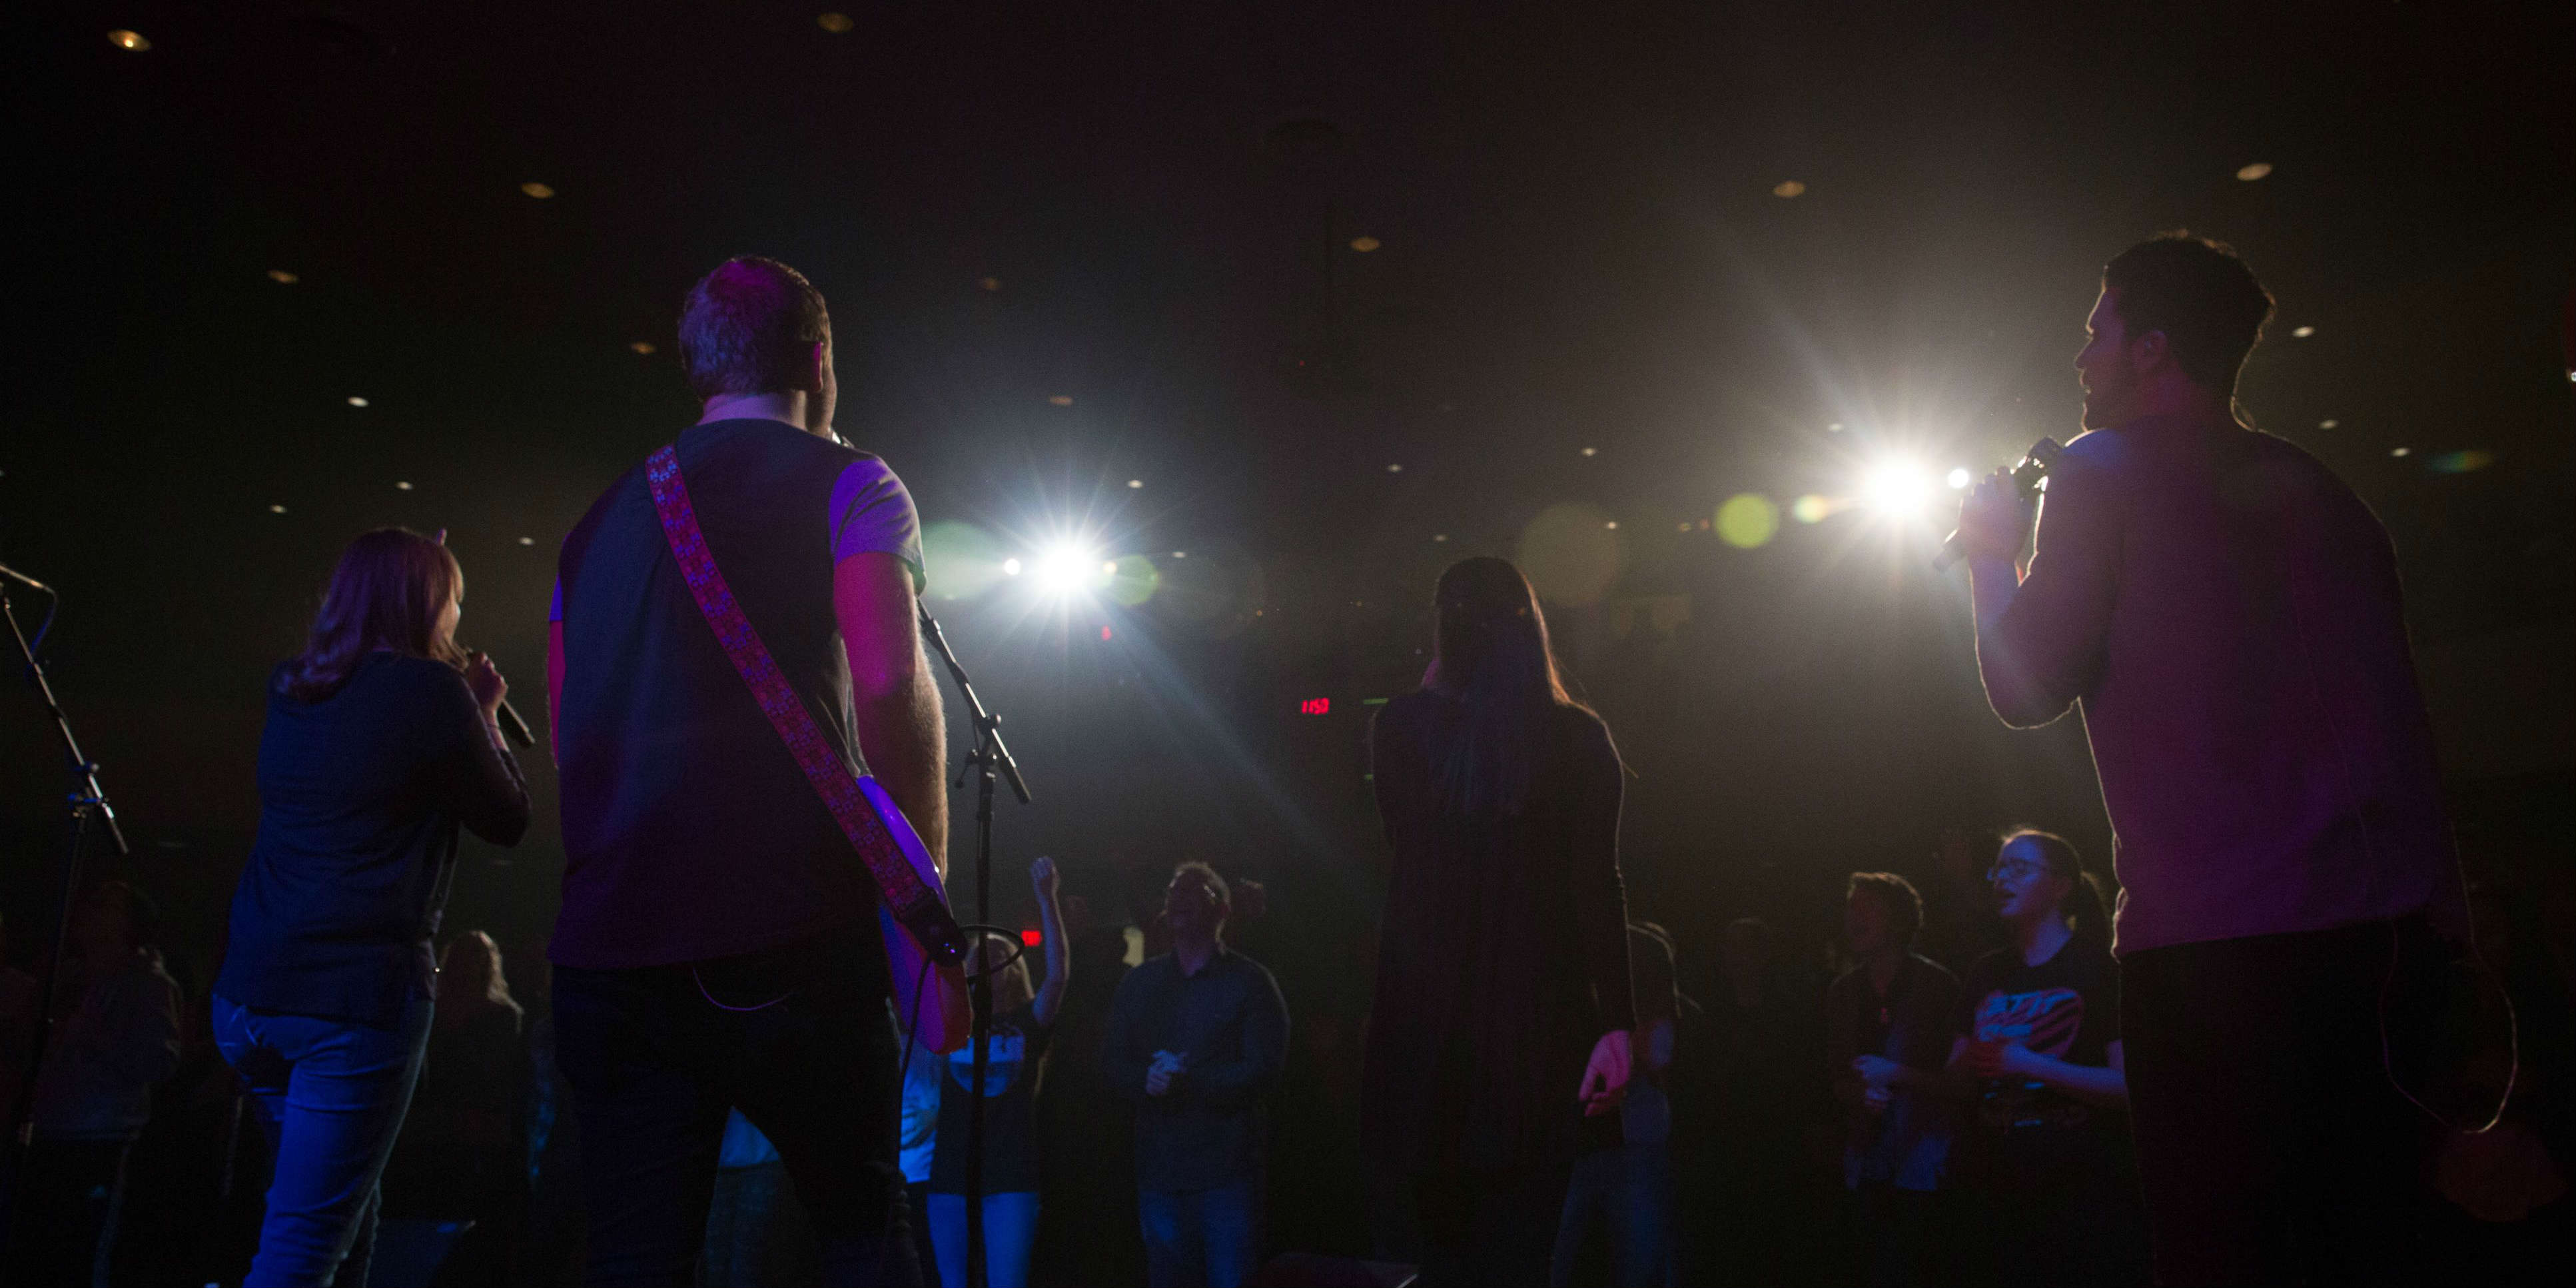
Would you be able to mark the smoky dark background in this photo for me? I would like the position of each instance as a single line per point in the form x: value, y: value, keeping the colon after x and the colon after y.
x: 1070, y: 246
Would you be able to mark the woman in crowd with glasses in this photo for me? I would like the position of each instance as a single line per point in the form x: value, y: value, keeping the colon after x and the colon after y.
x: 2038, y: 1053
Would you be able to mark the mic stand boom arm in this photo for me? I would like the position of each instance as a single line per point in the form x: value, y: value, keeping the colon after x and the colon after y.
x: 88, y: 803
x: 990, y: 760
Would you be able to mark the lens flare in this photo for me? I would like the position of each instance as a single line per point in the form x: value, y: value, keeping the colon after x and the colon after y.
x: 1133, y: 580
x: 1748, y: 520
x: 1571, y: 554
x: 961, y: 561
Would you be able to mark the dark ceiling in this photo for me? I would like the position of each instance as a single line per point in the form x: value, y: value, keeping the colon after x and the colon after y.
x: 1579, y: 246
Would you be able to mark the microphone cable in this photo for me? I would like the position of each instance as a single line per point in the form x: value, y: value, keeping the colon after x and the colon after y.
x: 2504, y: 994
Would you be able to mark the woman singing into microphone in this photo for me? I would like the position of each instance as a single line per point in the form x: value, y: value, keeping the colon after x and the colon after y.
x: 382, y: 737
x: 1503, y: 1009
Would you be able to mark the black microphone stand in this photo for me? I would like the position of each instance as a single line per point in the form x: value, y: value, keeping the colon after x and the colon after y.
x: 88, y: 802
x: 989, y: 758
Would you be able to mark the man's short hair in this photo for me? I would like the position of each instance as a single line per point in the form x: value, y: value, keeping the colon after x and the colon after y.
x: 1224, y: 892
x: 750, y: 327
x: 2200, y: 295
x: 1894, y: 893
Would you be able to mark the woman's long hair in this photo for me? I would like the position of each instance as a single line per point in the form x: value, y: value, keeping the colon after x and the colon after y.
x: 470, y: 978
x: 1490, y: 653
x: 388, y: 592
x: 2086, y: 903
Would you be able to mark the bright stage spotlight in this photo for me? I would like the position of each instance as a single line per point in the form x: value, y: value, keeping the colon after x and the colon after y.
x: 1960, y: 478
x: 1899, y: 488
x: 1068, y: 568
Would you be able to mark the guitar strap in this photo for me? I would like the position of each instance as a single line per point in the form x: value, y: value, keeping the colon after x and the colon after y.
x: 915, y: 902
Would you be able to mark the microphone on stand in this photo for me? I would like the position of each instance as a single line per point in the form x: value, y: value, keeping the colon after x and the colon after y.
x: 2026, y: 477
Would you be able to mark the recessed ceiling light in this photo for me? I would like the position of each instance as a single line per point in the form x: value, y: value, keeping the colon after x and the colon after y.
x: 1135, y: 482
x: 402, y: 485
x: 1836, y: 427
x: 1395, y: 469
x: 128, y: 40
x: 1592, y: 451
x: 277, y: 509
x: 356, y: 401
x: 1061, y: 400
x: 2328, y: 423
x: 282, y: 277
x: 838, y: 24
x: 1440, y: 536
x: 2303, y: 332
x: 527, y: 541
x: 1365, y: 244
x: 537, y: 190
x: 2250, y: 173
x: 2400, y: 451
x: 1787, y: 188
x: 1613, y: 525
x: 1180, y: 554
x: 640, y: 346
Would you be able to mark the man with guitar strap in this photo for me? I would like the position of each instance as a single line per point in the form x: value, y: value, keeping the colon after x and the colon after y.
x: 734, y: 651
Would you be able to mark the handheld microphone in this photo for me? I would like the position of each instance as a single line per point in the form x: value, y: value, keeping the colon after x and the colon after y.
x: 2026, y: 478
x: 515, y: 729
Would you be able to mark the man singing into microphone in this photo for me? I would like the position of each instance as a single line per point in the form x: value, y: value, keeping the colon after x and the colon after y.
x: 2227, y: 614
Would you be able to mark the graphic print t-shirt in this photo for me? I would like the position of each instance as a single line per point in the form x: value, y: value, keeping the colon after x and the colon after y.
x: 1018, y: 1049
x: 2067, y: 1007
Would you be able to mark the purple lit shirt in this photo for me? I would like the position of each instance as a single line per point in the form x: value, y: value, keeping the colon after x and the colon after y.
x: 871, y: 514
x: 2227, y: 614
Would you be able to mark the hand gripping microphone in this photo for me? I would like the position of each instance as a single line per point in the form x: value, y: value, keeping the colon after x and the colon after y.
x: 514, y: 728
x: 2026, y: 478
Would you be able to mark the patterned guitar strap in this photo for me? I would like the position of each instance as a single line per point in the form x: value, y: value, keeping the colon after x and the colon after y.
x: 914, y: 902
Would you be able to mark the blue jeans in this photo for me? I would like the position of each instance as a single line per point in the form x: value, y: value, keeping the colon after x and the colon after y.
x: 1201, y: 1238
x: 1010, y: 1230
x: 1628, y: 1191
x: 332, y: 1095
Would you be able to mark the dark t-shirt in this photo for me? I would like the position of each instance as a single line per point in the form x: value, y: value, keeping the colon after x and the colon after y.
x: 1018, y: 1052
x: 689, y: 831
x: 2067, y: 1007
